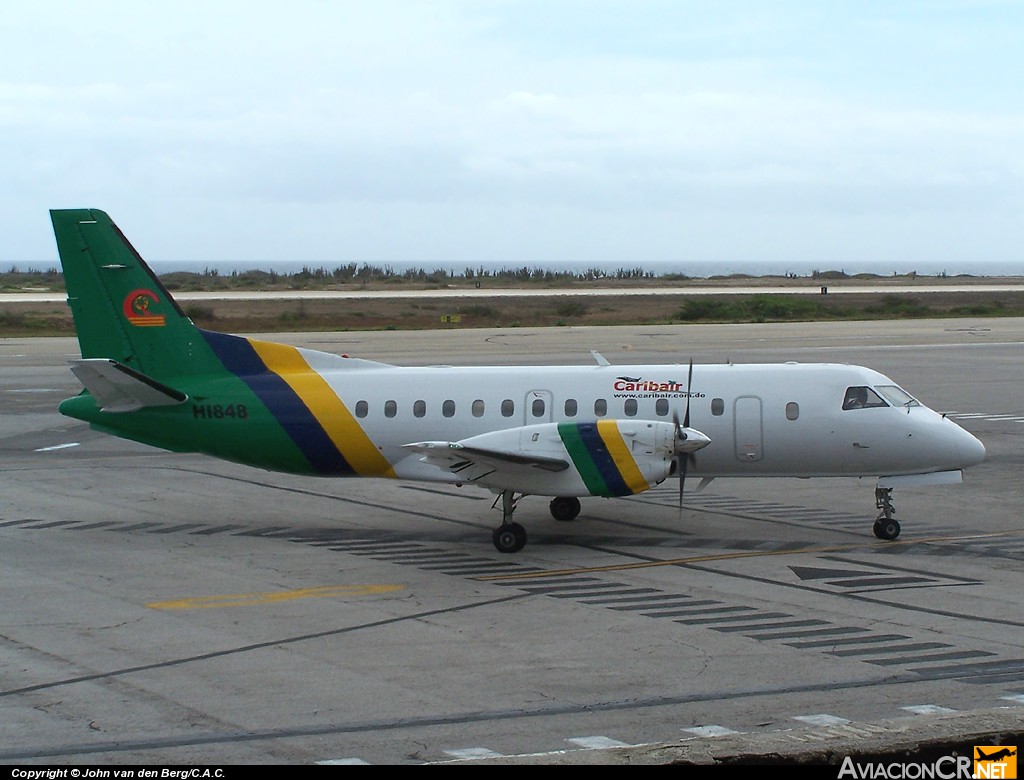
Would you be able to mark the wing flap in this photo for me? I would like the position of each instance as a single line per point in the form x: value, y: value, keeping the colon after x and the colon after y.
x: 118, y: 388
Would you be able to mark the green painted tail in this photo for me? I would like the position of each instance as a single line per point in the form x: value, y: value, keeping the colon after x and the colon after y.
x: 121, y: 310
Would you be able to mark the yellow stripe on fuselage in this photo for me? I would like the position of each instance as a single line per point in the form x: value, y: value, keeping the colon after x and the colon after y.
x: 334, y: 417
x: 624, y: 462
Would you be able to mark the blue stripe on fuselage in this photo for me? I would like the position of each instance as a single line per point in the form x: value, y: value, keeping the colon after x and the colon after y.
x: 239, y: 357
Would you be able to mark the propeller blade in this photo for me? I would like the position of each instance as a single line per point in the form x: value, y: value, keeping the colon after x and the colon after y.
x: 681, y: 460
x: 681, y: 467
x: 689, y: 384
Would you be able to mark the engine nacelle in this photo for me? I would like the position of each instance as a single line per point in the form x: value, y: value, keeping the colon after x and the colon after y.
x: 602, y: 458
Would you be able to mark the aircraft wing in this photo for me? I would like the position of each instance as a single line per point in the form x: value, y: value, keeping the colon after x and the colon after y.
x: 118, y: 388
x: 472, y: 463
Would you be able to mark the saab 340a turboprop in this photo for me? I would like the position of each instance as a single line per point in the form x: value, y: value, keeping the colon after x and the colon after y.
x: 152, y: 376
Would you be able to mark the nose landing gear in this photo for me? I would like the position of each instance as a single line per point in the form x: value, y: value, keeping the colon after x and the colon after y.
x: 886, y: 526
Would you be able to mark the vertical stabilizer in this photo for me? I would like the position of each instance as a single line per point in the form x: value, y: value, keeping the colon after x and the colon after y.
x: 121, y: 310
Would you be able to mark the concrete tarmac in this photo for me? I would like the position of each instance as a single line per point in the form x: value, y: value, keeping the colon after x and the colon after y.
x: 174, y: 609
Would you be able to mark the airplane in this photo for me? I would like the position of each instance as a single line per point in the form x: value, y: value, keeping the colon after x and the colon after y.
x: 996, y: 756
x: 152, y: 376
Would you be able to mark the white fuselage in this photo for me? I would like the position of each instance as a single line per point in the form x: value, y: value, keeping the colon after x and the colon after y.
x: 762, y: 420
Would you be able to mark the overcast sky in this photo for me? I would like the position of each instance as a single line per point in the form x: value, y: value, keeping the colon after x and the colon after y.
x: 530, y: 132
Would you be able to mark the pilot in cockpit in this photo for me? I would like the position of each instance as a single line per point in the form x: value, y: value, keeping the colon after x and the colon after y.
x: 856, y: 398
x: 863, y: 398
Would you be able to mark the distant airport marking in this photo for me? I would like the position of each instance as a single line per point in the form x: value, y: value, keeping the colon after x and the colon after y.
x: 821, y: 720
x: 58, y: 447
x: 343, y: 762
x: 34, y: 390
x: 928, y: 709
x: 471, y: 753
x: 711, y: 730
x: 986, y: 416
x: 275, y: 597
x: 597, y: 743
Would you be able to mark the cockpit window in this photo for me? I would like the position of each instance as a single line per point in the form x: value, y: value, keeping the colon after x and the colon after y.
x: 862, y: 398
x: 897, y: 396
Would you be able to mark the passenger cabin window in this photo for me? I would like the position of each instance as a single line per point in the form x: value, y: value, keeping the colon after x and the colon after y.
x: 629, y: 407
x: 390, y: 408
x: 362, y: 408
x: 508, y: 407
x: 537, y: 407
x: 570, y: 407
x: 661, y: 407
x: 600, y: 407
x: 862, y: 398
x: 419, y: 409
x: 717, y: 407
x: 448, y: 408
x: 792, y: 410
x: 478, y: 408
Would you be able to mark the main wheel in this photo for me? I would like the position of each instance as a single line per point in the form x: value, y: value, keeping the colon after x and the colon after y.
x: 509, y: 538
x: 886, y: 528
x: 565, y: 508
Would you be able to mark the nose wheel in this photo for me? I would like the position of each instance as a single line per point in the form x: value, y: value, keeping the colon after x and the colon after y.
x: 886, y: 526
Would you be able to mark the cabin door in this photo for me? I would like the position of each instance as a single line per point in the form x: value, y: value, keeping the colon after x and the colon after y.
x: 748, y: 427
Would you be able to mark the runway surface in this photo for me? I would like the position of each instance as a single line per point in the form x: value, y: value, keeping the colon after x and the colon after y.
x: 163, y: 608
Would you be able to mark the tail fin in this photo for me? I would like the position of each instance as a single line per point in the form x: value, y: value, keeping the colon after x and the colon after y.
x: 121, y: 310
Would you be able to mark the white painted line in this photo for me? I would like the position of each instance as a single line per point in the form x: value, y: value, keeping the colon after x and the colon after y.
x: 58, y: 447
x: 343, y: 762
x: 34, y: 390
x: 1017, y: 698
x: 597, y: 743
x: 710, y: 730
x: 478, y: 752
x: 928, y: 709
x: 821, y: 720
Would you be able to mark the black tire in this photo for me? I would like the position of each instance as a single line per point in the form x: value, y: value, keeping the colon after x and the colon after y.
x: 887, y: 529
x: 509, y: 538
x: 565, y: 508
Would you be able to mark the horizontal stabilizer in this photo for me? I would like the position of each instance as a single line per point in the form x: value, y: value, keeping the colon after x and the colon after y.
x: 118, y: 388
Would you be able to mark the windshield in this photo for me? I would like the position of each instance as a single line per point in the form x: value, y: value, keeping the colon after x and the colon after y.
x: 862, y: 398
x: 897, y: 396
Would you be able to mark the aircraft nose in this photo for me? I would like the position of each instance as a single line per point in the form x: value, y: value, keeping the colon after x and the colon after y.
x: 970, y: 448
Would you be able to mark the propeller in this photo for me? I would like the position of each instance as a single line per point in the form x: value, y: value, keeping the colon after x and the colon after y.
x: 687, y: 440
x: 682, y: 459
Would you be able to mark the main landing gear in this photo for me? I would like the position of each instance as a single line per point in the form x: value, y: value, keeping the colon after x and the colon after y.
x: 509, y: 537
x: 564, y: 508
x: 886, y: 526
